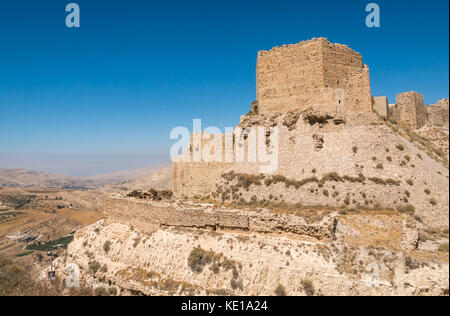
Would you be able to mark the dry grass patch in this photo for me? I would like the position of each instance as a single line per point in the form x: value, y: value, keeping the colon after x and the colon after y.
x: 308, y: 287
x: 443, y: 247
x: 400, y: 147
x: 107, y: 246
x: 280, y: 290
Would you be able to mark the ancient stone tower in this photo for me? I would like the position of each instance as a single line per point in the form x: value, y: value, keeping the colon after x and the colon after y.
x: 411, y: 111
x: 312, y: 74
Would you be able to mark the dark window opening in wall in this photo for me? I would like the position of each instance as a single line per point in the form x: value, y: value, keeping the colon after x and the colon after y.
x: 339, y: 101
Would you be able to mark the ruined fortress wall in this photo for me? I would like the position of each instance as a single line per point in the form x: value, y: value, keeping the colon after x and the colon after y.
x: 444, y: 103
x: 339, y: 62
x: 344, y: 69
x: 178, y: 179
x: 358, y: 97
x: 393, y: 113
x: 380, y: 105
x: 148, y: 217
x: 437, y: 114
x: 434, y: 115
x: 307, y: 151
x: 312, y: 74
x: 421, y: 113
x: 197, y: 178
x: 289, y: 77
x: 412, y: 111
x: 194, y: 178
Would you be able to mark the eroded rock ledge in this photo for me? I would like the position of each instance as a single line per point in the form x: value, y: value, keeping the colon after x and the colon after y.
x: 149, y: 216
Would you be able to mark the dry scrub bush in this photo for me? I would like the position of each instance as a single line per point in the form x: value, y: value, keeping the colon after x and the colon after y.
x: 280, y: 290
x: 308, y: 287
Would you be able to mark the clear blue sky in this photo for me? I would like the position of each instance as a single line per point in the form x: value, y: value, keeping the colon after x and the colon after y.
x: 117, y: 85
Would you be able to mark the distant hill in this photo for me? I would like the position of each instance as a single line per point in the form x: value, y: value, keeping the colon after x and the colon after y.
x: 158, y: 177
x: 21, y: 178
x: 126, y: 175
x: 161, y: 179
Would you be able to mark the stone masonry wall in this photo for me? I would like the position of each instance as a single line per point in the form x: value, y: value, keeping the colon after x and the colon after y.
x: 150, y: 216
x: 437, y: 114
x: 380, y: 105
x: 393, y: 112
x: 289, y: 77
x: 357, y: 93
x: 314, y: 74
x: 412, y: 111
x: 197, y: 178
x: 332, y: 147
x: 193, y: 178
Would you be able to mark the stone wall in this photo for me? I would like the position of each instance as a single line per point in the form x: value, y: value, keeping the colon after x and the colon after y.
x: 307, y: 149
x: 380, y: 105
x: 312, y: 74
x: 194, y: 178
x: 437, y: 114
x: 330, y: 78
x: 197, y: 178
x: 393, y: 113
x: 149, y: 216
x: 357, y: 93
x: 289, y: 77
x: 412, y: 111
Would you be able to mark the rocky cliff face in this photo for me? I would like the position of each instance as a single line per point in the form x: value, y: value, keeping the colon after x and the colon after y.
x: 365, y: 253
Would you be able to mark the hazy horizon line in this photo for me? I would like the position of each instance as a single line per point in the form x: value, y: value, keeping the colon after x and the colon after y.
x: 81, y: 165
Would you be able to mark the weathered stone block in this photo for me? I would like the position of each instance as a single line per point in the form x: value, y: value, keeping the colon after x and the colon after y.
x: 380, y: 105
x: 411, y: 109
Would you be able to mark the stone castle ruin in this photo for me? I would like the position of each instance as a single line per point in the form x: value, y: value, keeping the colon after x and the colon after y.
x: 437, y: 114
x: 315, y: 74
x: 410, y: 110
x: 332, y: 148
x: 357, y: 205
x: 326, y: 77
